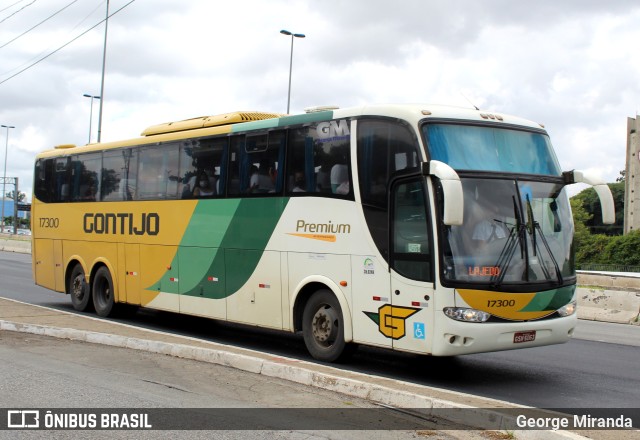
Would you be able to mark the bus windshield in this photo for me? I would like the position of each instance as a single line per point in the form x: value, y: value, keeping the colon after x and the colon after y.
x: 489, y: 148
x: 515, y: 232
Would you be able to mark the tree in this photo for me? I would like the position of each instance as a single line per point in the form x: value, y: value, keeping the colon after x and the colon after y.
x: 580, y: 219
x: 588, y: 247
x: 623, y: 250
x: 596, y: 243
x: 591, y: 203
x: 21, y: 196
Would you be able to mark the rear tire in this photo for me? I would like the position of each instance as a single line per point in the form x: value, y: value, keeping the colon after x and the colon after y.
x: 323, y: 327
x: 103, y: 299
x: 79, y: 290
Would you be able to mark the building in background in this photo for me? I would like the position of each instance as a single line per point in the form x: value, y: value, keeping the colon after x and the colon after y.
x: 632, y: 177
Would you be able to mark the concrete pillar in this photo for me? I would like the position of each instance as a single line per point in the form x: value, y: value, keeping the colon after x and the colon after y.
x: 632, y: 177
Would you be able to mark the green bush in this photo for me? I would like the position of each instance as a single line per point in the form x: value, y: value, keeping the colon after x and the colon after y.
x: 623, y: 249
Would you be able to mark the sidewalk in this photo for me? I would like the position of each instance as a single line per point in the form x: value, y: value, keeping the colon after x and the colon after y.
x: 478, y: 413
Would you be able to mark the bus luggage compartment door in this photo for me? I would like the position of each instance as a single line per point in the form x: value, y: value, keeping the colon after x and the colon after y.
x: 44, y: 269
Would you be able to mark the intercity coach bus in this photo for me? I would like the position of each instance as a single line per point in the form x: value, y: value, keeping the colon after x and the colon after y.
x: 420, y: 228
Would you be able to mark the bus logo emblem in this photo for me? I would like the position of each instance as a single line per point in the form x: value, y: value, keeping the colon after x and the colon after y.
x: 391, y: 320
x: 368, y: 267
x: 333, y: 130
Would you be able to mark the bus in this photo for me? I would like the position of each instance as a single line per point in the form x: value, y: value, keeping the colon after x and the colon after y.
x: 421, y: 228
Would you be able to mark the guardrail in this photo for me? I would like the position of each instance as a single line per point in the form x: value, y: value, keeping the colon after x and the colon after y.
x: 609, y: 267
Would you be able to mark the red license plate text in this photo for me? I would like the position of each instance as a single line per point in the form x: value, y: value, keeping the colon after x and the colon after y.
x: 519, y: 337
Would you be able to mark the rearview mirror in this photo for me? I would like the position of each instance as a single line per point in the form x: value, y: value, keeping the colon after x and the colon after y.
x: 453, y: 209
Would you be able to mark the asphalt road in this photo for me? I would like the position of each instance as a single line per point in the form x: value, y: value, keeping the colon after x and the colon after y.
x: 597, y: 369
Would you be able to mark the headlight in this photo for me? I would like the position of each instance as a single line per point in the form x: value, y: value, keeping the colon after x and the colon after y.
x: 568, y: 310
x: 466, y: 315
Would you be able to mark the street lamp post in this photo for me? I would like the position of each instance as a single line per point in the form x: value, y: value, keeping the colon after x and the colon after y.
x: 4, y: 176
x: 104, y: 62
x: 86, y: 95
x: 285, y: 32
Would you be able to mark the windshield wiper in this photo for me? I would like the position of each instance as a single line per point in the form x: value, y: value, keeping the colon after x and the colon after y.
x: 516, y: 236
x: 533, y: 226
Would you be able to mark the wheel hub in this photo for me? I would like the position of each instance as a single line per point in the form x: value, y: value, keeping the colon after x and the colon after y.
x: 324, y: 325
x: 77, y: 287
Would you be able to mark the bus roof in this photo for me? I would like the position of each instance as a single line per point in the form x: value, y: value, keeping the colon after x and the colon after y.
x: 208, y: 121
x: 252, y: 120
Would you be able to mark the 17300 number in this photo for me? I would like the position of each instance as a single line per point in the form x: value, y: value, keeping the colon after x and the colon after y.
x: 501, y: 302
x: 49, y: 222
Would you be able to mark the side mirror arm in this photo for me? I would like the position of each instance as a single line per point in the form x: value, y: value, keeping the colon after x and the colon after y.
x: 602, y: 189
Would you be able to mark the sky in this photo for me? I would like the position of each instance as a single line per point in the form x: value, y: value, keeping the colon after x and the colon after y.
x: 571, y: 65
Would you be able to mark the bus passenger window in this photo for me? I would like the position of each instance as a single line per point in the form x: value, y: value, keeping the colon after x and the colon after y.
x: 118, y: 175
x: 62, y: 179
x: 201, y: 167
x: 319, y: 164
x: 86, y: 174
x: 255, y: 164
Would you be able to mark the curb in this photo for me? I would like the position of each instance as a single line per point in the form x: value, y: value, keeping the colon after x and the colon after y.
x: 295, y: 371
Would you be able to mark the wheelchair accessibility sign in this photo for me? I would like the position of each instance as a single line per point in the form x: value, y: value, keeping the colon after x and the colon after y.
x: 418, y: 330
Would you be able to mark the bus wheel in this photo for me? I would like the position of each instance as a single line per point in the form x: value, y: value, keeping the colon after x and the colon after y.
x: 103, y: 300
x: 322, y: 327
x: 79, y: 290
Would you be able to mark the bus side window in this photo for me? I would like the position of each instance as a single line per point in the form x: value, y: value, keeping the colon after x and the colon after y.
x: 236, y: 156
x: 201, y: 167
x: 300, y: 170
x: 44, y: 171
x: 157, y: 173
x: 255, y: 164
x: 62, y: 190
x: 86, y: 172
x: 319, y: 165
x: 119, y: 175
x: 385, y: 149
x: 411, y: 247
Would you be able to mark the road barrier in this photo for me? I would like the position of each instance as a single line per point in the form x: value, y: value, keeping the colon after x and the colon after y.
x: 15, y: 245
x: 609, y: 297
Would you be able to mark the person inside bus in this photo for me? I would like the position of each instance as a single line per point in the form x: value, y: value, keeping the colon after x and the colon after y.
x: 298, y: 182
x: 261, y: 181
x: 340, y: 179
x: 491, y: 225
x: 203, y: 186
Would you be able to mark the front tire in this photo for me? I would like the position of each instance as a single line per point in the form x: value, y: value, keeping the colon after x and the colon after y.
x: 103, y: 299
x: 323, y: 327
x: 79, y: 290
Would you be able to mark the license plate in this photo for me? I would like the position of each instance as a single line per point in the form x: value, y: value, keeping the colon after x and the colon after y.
x: 519, y: 337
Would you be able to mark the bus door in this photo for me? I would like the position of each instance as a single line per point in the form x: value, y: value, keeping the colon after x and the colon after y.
x: 58, y: 265
x: 409, y: 320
